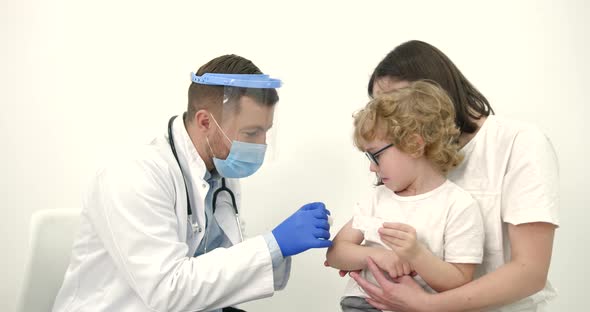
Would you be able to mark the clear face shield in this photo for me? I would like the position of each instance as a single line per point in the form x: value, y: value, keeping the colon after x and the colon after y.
x: 246, y: 130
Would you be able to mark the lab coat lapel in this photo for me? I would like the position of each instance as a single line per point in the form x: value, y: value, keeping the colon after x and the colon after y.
x: 193, y: 169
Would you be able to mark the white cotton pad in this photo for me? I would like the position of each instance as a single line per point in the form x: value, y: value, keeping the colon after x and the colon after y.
x: 369, y: 226
x: 330, y: 220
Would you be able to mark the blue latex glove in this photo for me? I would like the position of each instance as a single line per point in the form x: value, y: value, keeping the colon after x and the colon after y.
x: 307, y: 228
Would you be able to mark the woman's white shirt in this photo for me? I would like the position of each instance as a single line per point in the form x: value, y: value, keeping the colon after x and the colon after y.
x: 511, y: 169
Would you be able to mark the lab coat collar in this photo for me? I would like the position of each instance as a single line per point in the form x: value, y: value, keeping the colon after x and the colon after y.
x: 191, y: 162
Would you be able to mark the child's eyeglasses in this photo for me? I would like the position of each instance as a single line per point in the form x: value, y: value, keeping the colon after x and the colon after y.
x: 373, y: 156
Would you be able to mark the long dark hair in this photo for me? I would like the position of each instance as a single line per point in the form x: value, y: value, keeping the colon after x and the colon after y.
x: 417, y: 60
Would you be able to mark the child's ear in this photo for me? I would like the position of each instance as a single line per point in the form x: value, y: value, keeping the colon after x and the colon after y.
x: 418, y: 142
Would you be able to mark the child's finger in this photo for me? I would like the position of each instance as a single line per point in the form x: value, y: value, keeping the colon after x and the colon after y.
x: 400, y: 269
x: 388, y: 244
x: 392, y: 241
x: 407, y: 269
x: 394, y: 233
x: 394, y: 273
x: 398, y: 226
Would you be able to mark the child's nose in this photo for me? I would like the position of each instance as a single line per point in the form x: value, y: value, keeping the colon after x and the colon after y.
x: 373, y: 167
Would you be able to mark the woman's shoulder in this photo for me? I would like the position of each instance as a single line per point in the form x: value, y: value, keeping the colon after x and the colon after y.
x: 522, y: 137
x: 501, y: 136
x: 454, y: 189
x: 510, y: 129
x: 458, y: 197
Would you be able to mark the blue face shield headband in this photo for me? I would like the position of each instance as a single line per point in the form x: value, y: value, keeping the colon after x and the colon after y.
x: 254, y: 81
x: 244, y: 159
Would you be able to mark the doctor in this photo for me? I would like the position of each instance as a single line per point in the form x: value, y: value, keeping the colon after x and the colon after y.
x: 160, y: 230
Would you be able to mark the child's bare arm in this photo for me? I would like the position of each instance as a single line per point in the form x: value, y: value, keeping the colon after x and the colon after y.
x: 346, y: 252
x: 438, y: 274
x: 441, y: 275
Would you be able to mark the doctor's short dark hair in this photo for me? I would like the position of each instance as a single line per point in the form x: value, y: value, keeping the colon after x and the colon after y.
x: 211, y: 97
x: 416, y: 60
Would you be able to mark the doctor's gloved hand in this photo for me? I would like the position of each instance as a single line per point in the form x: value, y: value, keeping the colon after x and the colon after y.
x: 307, y: 228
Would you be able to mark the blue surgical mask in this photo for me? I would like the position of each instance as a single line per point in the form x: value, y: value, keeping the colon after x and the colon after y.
x: 243, y: 160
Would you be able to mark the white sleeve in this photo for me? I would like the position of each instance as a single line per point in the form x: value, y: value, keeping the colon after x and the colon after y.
x: 281, y: 265
x: 363, y: 218
x: 369, y: 226
x: 131, y: 207
x: 360, y: 209
x: 464, y: 232
x: 530, y: 192
x: 367, y: 206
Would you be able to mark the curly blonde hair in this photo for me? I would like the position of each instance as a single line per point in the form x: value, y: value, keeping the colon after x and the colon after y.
x: 418, y: 120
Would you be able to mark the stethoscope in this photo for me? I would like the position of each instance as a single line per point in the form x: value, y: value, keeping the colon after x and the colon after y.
x: 223, y: 188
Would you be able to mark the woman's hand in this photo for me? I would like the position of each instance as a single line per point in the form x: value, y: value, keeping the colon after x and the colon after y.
x: 401, y: 295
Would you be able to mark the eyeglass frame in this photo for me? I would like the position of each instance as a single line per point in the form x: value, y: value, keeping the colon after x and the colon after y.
x: 373, y: 156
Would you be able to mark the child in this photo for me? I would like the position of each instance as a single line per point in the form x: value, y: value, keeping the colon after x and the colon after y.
x: 416, y: 222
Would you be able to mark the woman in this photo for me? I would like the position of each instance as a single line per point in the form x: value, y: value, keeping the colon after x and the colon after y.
x: 510, y: 168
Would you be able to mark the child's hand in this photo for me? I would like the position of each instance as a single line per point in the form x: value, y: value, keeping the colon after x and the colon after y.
x: 393, y: 264
x: 402, y: 239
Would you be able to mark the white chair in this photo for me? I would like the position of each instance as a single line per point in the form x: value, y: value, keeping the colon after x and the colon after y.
x: 52, y: 235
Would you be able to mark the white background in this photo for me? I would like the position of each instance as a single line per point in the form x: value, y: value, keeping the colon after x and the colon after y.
x: 81, y: 79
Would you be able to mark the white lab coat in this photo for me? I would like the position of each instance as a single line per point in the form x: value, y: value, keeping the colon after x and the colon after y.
x: 135, y: 248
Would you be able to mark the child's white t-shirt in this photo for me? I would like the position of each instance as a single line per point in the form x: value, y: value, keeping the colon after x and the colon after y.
x: 447, y: 221
x: 510, y: 168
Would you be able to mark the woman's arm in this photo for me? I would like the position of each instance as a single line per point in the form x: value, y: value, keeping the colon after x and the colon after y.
x: 438, y: 274
x: 524, y: 275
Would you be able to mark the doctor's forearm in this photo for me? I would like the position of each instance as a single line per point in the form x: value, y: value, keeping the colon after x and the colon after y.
x: 348, y: 256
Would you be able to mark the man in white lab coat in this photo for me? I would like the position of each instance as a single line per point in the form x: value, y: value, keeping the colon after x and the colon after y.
x: 160, y: 230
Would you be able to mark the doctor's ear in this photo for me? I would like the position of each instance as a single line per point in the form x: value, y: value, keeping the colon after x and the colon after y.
x: 202, y: 120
